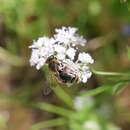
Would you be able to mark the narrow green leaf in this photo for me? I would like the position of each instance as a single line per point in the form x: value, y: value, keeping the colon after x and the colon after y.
x: 128, y: 4
x: 52, y: 108
x: 118, y: 88
x: 63, y: 96
x: 96, y: 91
x: 58, y: 89
x: 128, y: 52
x: 49, y: 123
x: 124, y: 80
x: 110, y: 73
x: 41, y: 105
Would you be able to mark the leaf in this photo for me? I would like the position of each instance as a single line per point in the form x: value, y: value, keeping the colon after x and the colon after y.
x: 41, y: 105
x: 49, y: 123
x: 128, y: 52
x: 128, y: 4
x: 63, y: 96
x: 58, y: 89
x: 110, y: 73
x: 117, y: 80
x: 118, y: 88
x: 96, y: 91
x: 52, y: 108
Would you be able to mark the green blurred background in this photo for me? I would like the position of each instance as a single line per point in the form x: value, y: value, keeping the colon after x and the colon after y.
x: 106, y: 26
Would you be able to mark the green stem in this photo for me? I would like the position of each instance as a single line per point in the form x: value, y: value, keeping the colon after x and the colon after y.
x: 49, y: 123
x: 53, y: 109
x: 66, y: 98
x: 96, y: 91
x: 109, y: 73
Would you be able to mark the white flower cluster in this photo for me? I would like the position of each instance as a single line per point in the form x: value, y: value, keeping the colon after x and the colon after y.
x: 80, y: 102
x: 91, y: 125
x: 94, y: 125
x: 62, y: 45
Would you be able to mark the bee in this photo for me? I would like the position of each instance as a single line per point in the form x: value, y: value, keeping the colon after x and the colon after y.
x: 68, y: 78
x: 54, y: 64
x: 64, y: 73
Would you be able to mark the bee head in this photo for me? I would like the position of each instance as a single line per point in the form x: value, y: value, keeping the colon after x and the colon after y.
x: 50, y: 58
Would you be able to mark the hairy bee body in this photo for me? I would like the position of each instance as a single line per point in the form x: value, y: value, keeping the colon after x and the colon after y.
x: 63, y: 73
x: 67, y: 78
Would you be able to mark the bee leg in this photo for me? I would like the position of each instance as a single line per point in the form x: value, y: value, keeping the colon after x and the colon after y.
x: 72, y: 80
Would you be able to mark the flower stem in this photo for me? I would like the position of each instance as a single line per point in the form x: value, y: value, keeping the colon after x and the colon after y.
x: 109, y: 73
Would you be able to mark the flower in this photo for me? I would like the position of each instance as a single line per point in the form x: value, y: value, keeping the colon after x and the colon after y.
x: 85, y: 58
x: 91, y: 125
x: 63, y: 45
x: 80, y: 102
x: 71, y: 53
x: 41, y: 50
x: 61, y: 56
x: 59, y: 48
x: 68, y: 36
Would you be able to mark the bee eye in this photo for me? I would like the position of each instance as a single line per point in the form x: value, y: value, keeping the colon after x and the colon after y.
x: 51, y: 57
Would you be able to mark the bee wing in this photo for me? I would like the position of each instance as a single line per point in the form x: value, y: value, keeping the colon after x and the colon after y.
x: 47, y: 90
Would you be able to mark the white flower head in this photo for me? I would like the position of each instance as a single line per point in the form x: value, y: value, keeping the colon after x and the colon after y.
x: 80, y: 102
x: 91, y: 125
x: 59, y: 48
x: 68, y: 36
x: 85, y: 58
x: 41, y: 50
x: 63, y: 45
x: 71, y: 53
x: 60, y: 56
